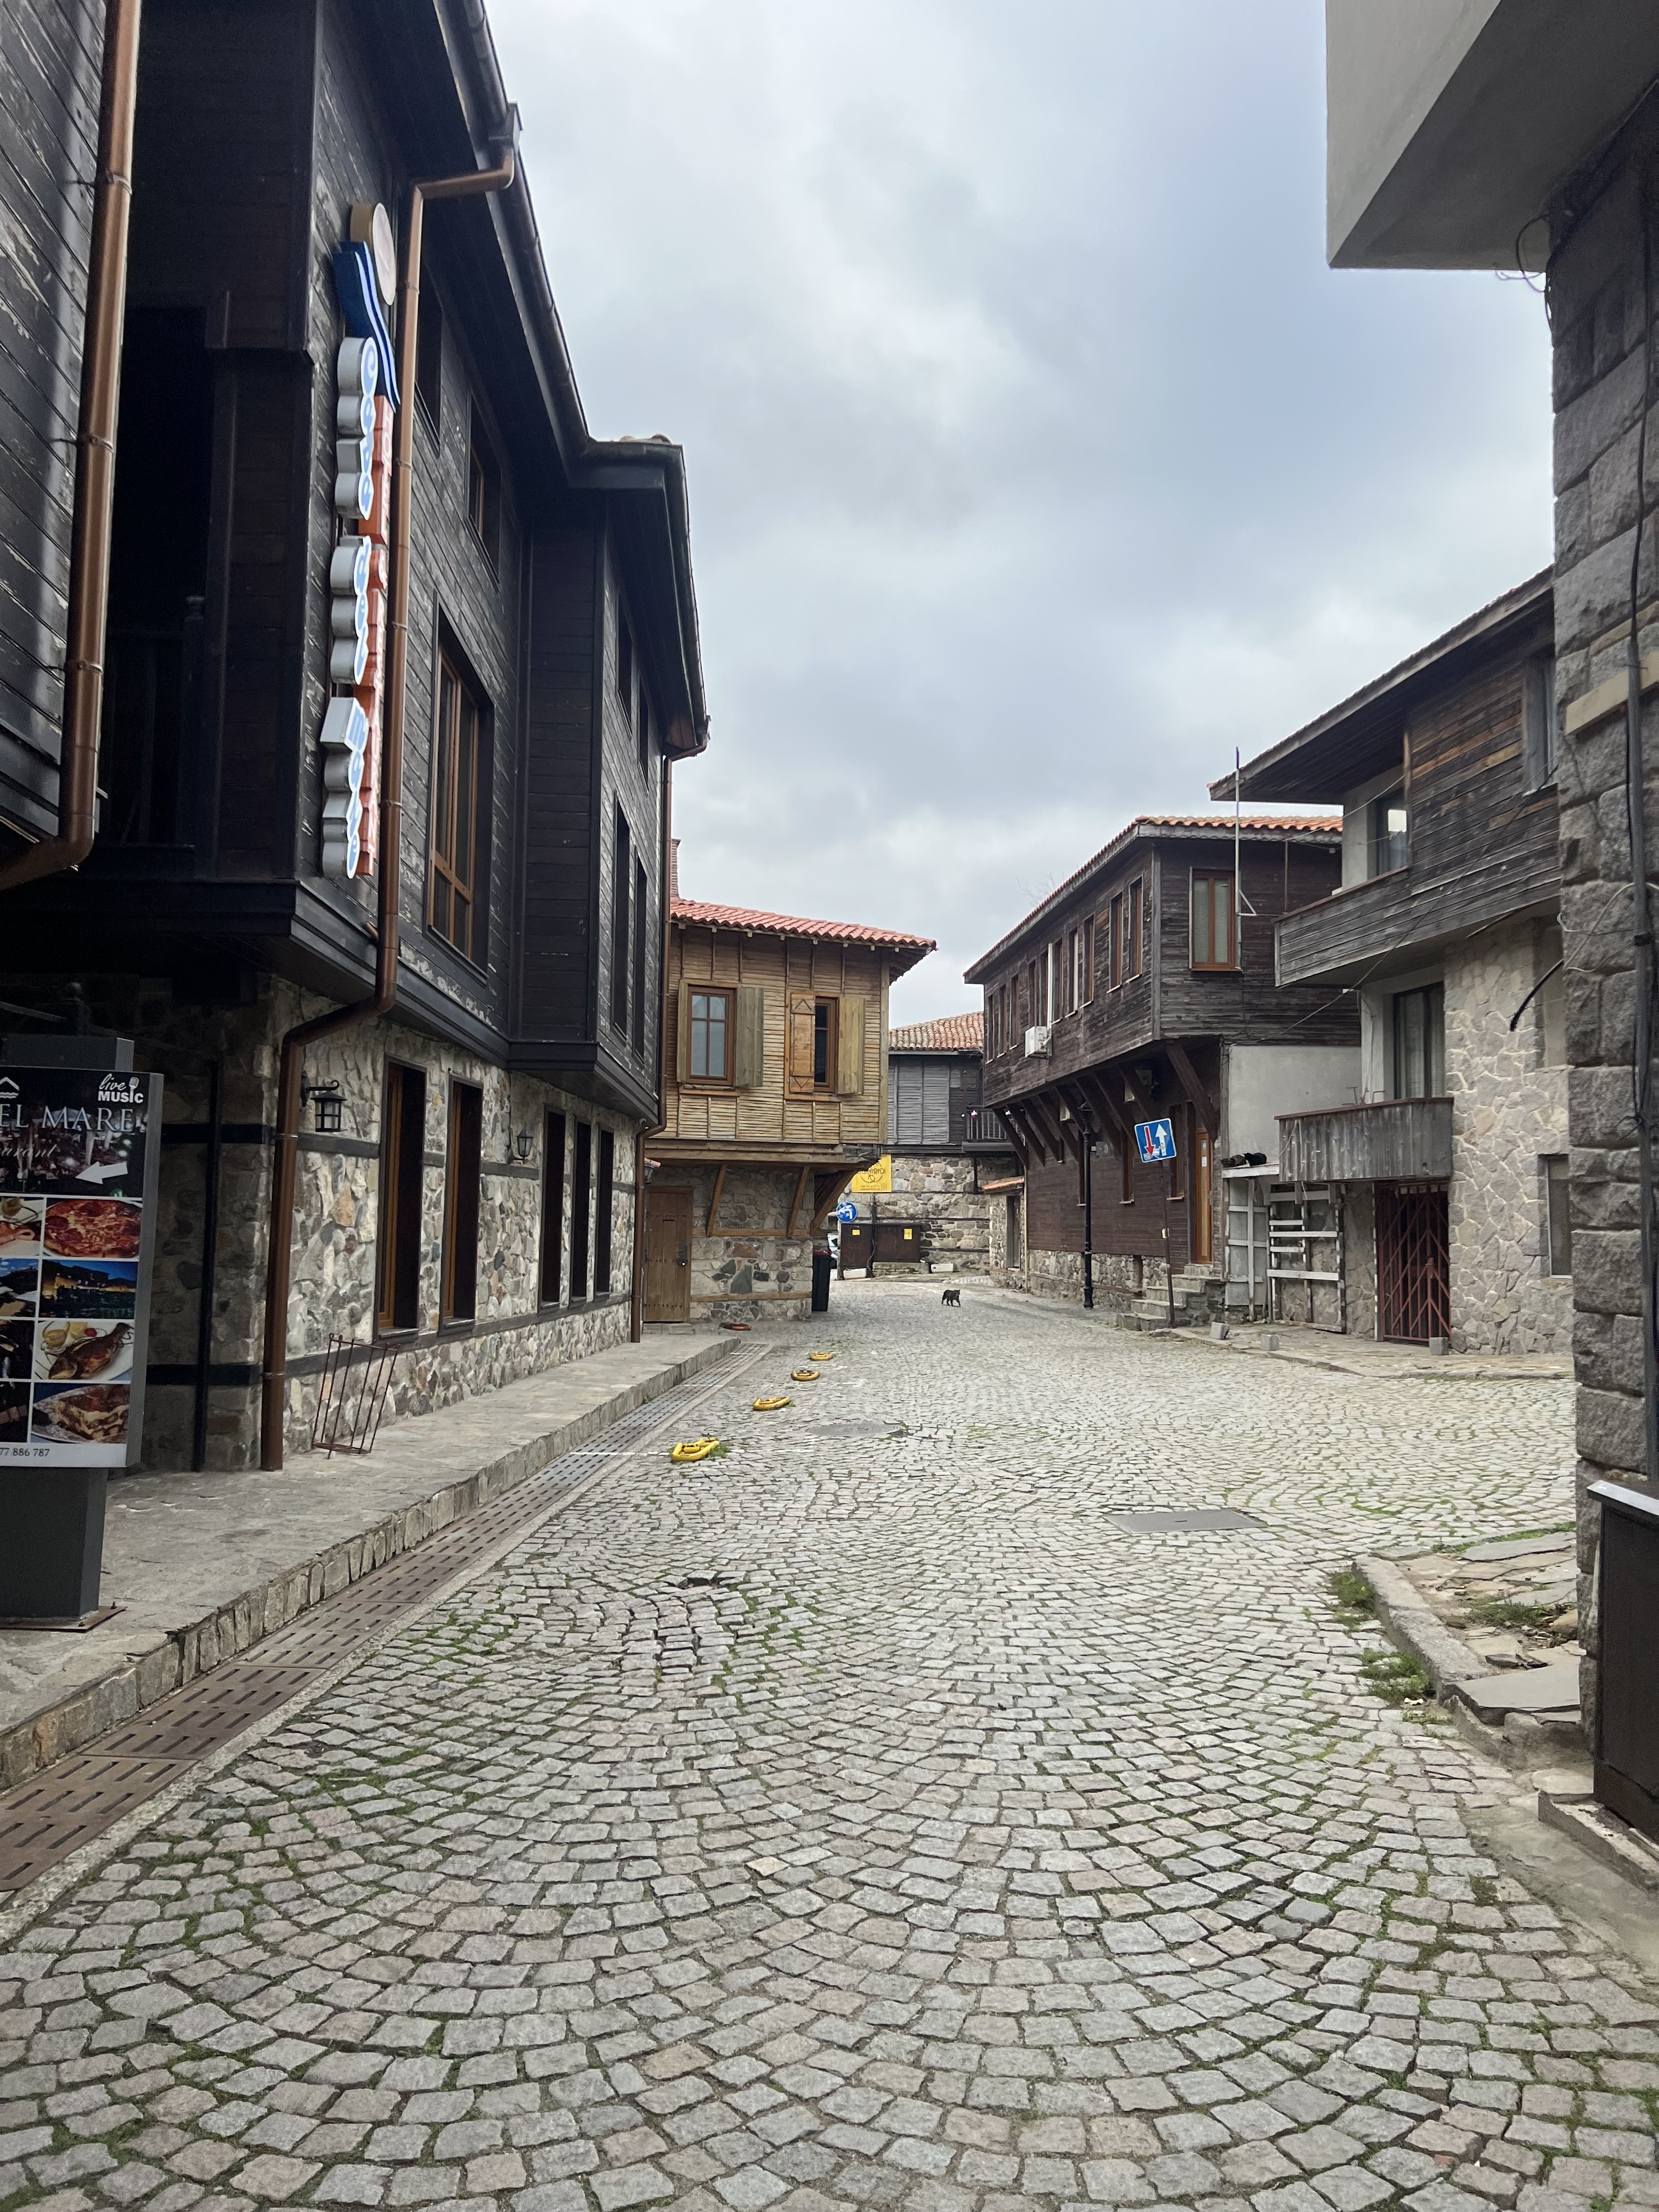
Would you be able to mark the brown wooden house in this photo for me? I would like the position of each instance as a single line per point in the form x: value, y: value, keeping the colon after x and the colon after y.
x: 1143, y: 990
x: 775, y: 1095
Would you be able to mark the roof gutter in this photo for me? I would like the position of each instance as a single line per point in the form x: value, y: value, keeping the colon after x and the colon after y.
x: 94, y: 474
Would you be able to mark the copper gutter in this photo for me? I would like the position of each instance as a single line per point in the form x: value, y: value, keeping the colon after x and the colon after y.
x: 94, y: 474
x: 279, y: 1253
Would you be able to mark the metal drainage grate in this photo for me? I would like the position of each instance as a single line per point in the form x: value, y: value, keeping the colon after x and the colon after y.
x: 48, y: 1817
x: 1153, y: 1522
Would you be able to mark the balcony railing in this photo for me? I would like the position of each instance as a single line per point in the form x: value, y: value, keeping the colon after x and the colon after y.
x: 985, y: 1127
x: 1393, y: 1141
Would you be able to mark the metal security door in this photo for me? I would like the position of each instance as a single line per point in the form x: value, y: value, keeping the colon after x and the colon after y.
x: 1414, y: 1270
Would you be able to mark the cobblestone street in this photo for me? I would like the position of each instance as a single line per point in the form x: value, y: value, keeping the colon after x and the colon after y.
x: 867, y: 1817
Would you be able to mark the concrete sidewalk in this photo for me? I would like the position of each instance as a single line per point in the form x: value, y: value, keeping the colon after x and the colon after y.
x: 204, y: 1565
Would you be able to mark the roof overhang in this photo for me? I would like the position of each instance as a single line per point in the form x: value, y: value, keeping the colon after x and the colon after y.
x: 1452, y: 123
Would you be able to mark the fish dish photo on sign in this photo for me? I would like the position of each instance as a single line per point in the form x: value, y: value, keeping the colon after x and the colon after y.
x: 77, y: 1170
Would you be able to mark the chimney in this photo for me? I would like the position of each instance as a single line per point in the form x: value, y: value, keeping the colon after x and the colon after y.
x: 673, y: 867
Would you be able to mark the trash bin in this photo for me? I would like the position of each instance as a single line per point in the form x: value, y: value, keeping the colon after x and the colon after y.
x: 822, y: 1264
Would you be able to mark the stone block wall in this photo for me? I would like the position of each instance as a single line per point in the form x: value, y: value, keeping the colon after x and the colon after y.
x: 748, y: 1270
x: 1596, y: 288
x: 939, y: 1191
x: 1509, y: 1114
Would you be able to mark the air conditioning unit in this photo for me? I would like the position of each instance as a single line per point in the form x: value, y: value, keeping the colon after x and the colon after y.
x: 1037, y: 1042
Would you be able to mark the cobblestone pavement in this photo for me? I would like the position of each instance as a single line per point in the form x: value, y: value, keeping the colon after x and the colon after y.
x: 865, y: 1819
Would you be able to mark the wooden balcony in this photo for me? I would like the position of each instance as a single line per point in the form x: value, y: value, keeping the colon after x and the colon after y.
x: 1395, y: 1140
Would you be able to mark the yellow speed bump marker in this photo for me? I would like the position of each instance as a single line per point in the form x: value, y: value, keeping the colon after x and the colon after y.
x: 682, y: 1454
x: 806, y: 1374
x: 770, y: 1405
x: 820, y: 1355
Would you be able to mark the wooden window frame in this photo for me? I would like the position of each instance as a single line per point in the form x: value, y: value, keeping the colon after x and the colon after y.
x: 430, y: 360
x: 727, y: 1080
x: 550, y: 1258
x: 826, y: 1027
x: 1211, y: 878
x: 622, y: 901
x: 604, y: 1191
x: 402, y: 1192
x: 458, y: 1293
x: 1556, y: 1190
x: 458, y: 770
x: 1088, y: 939
x: 642, y: 950
x: 1114, y: 943
x: 1134, y: 922
x: 483, y: 491
x: 581, y: 1214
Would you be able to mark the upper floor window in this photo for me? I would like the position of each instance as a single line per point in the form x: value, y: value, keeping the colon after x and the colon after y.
x: 455, y: 839
x: 823, y: 1044
x: 1539, y: 723
x: 483, y: 491
x: 1214, y: 932
x: 711, y: 1037
x: 1085, y: 971
x: 429, y: 359
x: 1419, y: 1042
x: 1115, y: 937
x: 622, y: 893
x: 1135, y: 928
x: 1386, y: 838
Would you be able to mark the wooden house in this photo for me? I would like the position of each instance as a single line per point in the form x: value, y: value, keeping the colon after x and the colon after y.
x: 395, y: 940
x: 1447, y: 1173
x: 774, y: 1095
x: 1142, y: 991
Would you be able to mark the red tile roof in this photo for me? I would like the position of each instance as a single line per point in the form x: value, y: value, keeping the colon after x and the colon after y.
x: 953, y: 1033
x: 698, y: 914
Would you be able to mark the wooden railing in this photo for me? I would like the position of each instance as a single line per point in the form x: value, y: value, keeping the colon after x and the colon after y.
x: 1394, y: 1140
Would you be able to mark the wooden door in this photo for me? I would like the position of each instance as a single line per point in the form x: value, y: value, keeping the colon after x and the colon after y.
x: 1413, y: 1271
x: 1203, y: 1197
x: 854, y: 1244
x: 667, y: 1255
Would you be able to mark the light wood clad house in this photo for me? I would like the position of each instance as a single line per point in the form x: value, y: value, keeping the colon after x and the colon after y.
x: 774, y: 1095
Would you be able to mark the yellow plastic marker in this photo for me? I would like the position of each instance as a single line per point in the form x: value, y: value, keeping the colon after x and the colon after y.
x: 805, y: 1375
x: 682, y: 1454
x: 820, y: 1355
x: 770, y: 1405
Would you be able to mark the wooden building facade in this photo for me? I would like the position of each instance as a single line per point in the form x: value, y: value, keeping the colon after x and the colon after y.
x: 1449, y: 1169
x: 552, y: 675
x: 774, y: 1095
x: 1142, y: 990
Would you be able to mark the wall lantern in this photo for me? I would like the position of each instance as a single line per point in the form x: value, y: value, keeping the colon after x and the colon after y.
x: 524, y: 1143
x: 327, y: 1102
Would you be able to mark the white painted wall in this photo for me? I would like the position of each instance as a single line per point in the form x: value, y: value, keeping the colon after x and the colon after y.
x: 1259, y: 1082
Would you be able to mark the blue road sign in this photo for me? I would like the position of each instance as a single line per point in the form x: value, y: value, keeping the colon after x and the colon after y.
x: 1156, y: 1140
x: 847, y: 1211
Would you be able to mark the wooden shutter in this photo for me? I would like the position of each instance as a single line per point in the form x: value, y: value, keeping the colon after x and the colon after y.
x: 935, y: 1101
x: 849, y: 1048
x: 683, y: 1034
x: 797, y: 1081
x: 750, y: 1061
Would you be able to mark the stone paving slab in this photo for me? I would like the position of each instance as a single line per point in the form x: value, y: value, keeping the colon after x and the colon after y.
x: 861, y: 1820
x: 204, y: 1564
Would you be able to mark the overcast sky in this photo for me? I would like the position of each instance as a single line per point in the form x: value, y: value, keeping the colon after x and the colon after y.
x: 1036, y: 459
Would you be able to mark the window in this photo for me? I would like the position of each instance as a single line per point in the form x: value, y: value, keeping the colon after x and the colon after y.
x: 1088, y: 960
x: 430, y: 360
x: 1549, y: 959
x: 1002, y: 1018
x: 581, y: 1209
x: 1419, y: 1042
x: 455, y: 811
x: 1539, y: 723
x: 1134, y: 930
x: 708, y: 1058
x: 1212, y: 921
x: 1116, y: 927
x: 622, y: 890
x: 823, y: 1044
x: 1126, y: 1155
x: 403, y: 1145
x: 624, y: 663
x: 463, y: 1175
x: 1073, y: 991
x: 641, y: 914
x: 602, y: 1201
x: 1558, y: 1223
x: 483, y: 491
x: 552, y: 1257
x: 1386, y: 834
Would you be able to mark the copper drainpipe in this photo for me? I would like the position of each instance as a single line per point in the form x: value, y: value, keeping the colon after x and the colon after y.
x: 279, y: 1256
x: 95, y: 473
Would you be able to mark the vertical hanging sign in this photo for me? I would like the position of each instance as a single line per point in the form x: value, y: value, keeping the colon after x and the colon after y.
x: 365, y: 281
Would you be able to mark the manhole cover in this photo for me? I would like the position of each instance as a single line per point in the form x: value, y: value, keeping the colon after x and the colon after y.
x: 1151, y: 1522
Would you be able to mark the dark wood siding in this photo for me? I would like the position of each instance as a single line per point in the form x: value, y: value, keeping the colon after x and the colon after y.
x: 1055, y: 1210
x: 51, y: 67
x: 559, y: 894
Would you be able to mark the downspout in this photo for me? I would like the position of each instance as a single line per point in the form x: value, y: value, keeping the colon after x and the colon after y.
x: 279, y: 1255
x: 94, y: 474
x: 636, y: 1320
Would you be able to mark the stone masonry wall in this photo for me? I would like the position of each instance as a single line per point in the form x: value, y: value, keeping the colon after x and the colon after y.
x: 1508, y: 1113
x: 1596, y: 288
x: 746, y: 1271
x: 937, y: 1190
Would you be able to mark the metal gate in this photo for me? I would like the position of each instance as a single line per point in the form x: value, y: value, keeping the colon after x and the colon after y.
x: 1414, y: 1268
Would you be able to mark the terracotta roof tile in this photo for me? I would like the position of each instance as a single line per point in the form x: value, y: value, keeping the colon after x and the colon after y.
x: 697, y: 911
x: 952, y: 1033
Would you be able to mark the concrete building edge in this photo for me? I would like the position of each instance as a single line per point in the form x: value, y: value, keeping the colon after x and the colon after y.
x: 32, y: 1745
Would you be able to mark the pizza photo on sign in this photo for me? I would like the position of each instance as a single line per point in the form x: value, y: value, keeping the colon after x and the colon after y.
x: 82, y: 1413
x: 92, y: 1290
x: 93, y: 1228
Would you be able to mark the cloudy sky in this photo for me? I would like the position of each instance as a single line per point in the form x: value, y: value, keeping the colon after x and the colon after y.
x: 1036, y: 458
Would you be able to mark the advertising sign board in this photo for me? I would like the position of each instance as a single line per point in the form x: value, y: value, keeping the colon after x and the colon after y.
x: 80, y: 1151
x: 1156, y: 1140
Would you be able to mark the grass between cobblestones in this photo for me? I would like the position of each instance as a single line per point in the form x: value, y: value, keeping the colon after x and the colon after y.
x: 868, y: 1823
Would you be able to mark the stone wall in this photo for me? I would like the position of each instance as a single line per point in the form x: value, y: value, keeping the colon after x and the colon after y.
x: 939, y: 1191
x: 747, y: 1271
x: 1509, y: 1114
x: 1596, y: 288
